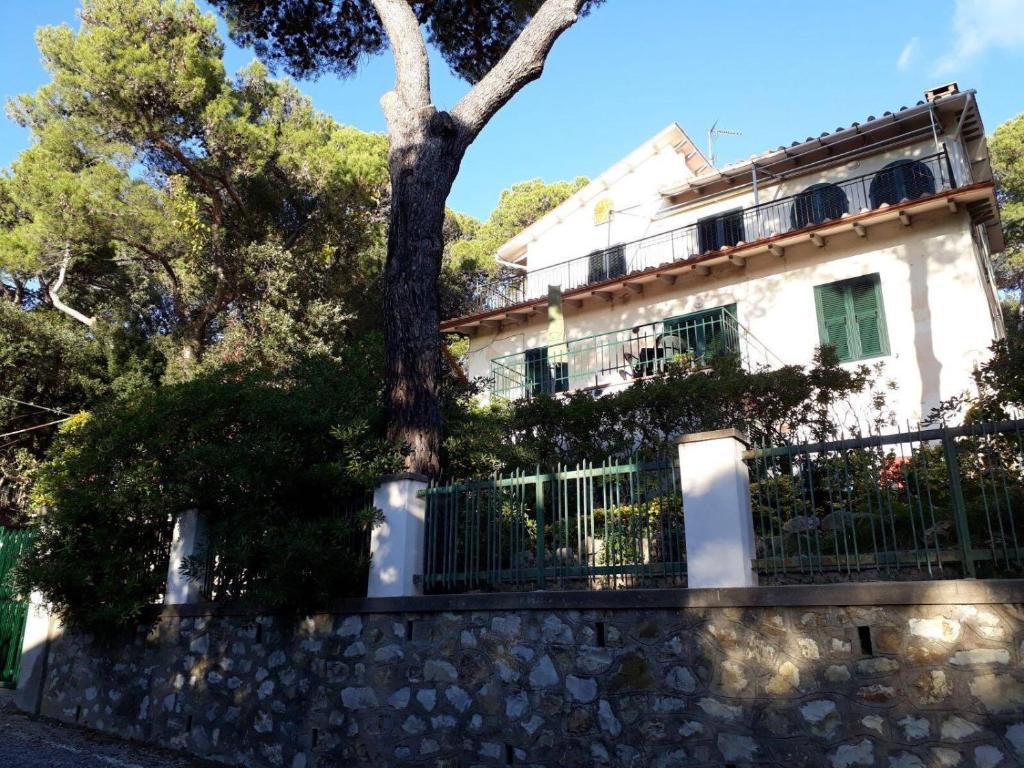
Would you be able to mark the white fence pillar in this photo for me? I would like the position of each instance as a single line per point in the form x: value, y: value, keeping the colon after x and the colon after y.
x: 40, y: 627
x: 716, y: 508
x: 396, y: 545
x: 190, y: 539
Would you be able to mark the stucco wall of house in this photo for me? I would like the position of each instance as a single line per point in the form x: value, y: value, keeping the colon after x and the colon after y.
x: 906, y: 676
x: 935, y: 296
x: 632, y: 191
x: 570, y: 232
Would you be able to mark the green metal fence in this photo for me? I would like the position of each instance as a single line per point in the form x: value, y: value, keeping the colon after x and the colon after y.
x: 589, y: 527
x: 926, y: 503
x: 13, y: 612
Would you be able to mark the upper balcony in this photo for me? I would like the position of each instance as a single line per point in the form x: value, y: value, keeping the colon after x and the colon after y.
x: 903, y: 183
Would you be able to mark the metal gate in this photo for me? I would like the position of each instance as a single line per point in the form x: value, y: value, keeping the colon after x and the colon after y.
x: 588, y: 527
x: 13, y: 612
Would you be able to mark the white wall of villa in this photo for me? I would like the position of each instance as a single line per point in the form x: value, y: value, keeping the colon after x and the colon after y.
x: 936, y: 292
x: 641, y: 211
x: 938, y: 297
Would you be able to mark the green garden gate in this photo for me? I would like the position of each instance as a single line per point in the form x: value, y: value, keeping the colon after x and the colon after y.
x: 13, y: 612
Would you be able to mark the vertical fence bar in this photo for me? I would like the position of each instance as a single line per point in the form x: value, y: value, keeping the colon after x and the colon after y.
x: 957, y: 498
x: 539, y: 517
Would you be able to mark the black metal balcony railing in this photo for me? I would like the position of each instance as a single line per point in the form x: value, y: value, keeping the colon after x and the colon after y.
x: 908, y: 179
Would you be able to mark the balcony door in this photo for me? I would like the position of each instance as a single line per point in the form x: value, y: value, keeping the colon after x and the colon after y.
x: 724, y: 229
x: 697, y: 338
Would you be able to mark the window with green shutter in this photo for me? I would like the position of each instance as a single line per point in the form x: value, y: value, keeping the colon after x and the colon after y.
x: 851, y: 318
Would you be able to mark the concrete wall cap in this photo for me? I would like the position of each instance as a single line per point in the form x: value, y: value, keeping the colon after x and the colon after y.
x: 715, y: 434
x: 882, y: 593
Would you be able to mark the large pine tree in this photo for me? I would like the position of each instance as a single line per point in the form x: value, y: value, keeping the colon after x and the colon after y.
x: 498, y: 45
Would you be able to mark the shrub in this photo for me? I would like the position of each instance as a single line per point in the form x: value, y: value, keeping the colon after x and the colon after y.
x: 644, y: 419
x: 281, y: 465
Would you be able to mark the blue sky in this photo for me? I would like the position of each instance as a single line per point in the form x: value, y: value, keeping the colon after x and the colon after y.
x: 775, y: 71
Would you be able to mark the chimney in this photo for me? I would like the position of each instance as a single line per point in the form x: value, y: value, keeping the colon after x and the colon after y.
x: 939, y: 91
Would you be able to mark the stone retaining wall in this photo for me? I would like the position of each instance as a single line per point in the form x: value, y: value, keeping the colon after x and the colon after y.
x: 695, y: 682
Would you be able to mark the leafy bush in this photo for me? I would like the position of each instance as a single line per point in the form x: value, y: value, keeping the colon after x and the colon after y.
x: 644, y: 419
x: 281, y: 465
x: 50, y: 362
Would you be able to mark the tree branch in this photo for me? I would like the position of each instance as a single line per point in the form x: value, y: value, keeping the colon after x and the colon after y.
x: 522, y: 64
x: 224, y: 179
x: 159, y: 259
x: 200, y: 322
x: 412, y: 68
x: 190, y: 167
x: 216, y: 202
x: 53, y: 290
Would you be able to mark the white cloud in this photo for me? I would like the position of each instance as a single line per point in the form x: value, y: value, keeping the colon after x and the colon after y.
x: 980, y: 25
x: 907, y: 54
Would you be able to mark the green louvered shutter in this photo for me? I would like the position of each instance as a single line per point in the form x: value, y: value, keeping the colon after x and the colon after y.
x: 866, y: 301
x: 833, y: 319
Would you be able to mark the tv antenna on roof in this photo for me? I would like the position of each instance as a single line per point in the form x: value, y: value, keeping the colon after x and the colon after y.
x: 713, y: 131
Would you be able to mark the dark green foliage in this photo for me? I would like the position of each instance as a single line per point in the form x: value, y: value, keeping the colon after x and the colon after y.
x: 1001, y: 378
x: 1007, y: 150
x: 312, y: 36
x: 643, y: 419
x: 206, y: 208
x: 280, y: 463
x: 53, y: 363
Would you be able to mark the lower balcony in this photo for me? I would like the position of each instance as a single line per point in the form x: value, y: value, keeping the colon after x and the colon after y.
x: 608, y: 361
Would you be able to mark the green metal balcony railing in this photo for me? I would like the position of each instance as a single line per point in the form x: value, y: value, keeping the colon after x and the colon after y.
x: 606, y: 361
x: 591, y: 527
x: 920, y: 504
x: 911, y: 178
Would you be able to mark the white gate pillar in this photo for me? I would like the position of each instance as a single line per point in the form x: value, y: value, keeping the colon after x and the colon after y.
x: 716, y: 509
x: 397, y: 544
x: 190, y: 539
x: 40, y: 628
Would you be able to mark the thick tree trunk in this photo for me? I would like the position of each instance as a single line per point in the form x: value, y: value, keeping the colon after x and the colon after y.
x: 425, y: 152
x: 423, y: 162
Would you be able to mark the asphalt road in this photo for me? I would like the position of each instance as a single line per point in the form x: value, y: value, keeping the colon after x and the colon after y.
x: 32, y: 743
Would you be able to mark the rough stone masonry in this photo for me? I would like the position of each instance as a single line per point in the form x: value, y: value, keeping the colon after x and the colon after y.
x: 901, y: 686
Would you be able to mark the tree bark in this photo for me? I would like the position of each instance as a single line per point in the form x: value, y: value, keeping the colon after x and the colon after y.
x: 425, y: 151
x: 53, y: 292
x: 423, y: 161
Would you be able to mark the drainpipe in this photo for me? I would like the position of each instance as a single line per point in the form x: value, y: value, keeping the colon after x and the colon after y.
x: 757, y: 201
x: 935, y: 130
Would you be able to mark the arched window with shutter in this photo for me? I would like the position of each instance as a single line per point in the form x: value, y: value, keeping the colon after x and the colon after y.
x: 851, y: 318
x: 606, y: 264
x: 818, y: 203
x: 902, y: 180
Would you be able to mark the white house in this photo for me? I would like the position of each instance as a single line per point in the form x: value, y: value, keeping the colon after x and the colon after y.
x: 875, y: 238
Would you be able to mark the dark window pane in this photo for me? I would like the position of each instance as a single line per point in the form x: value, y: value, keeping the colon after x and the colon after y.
x: 538, y: 372
x: 902, y: 180
x: 702, y: 335
x: 561, y: 371
x: 817, y: 204
x: 723, y: 230
x: 606, y: 264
